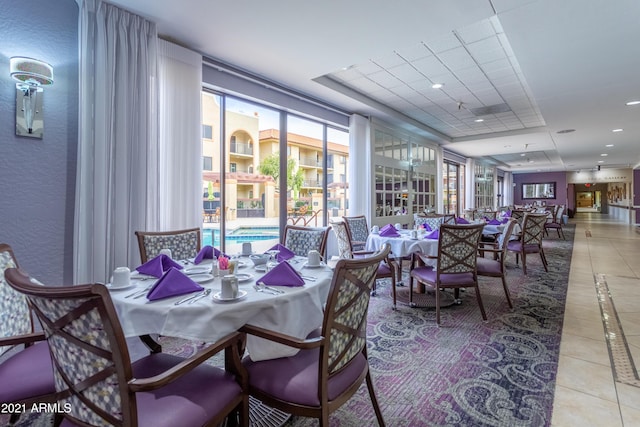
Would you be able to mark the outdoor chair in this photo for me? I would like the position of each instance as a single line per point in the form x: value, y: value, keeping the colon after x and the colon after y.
x: 359, y: 230
x: 26, y: 374
x: 300, y: 240
x: 455, y: 266
x: 555, y: 223
x: 97, y: 383
x: 386, y: 269
x: 530, y: 241
x: 495, y: 266
x: 332, y: 363
x: 183, y: 244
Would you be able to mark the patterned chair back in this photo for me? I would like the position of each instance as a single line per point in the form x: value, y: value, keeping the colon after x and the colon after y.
x: 89, y: 352
x: 357, y: 227
x: 184, y: 244
x: 301, y: 240
x: 15, y: 317
x: 533, y: 229
x: 558, y: 215
x: 458, y: 248
x: 343, y: 239
x: 518, y: 215
x: 345, y: 316
x: 434, y: 222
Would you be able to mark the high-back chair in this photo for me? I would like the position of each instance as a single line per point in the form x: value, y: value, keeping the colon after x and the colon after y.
x: 456, y: 264
x: 448, y: 219
x: 496, y: 265
x: 359, y: 230
x: 26, y: 375
x: 184, y: 244
x: 518, y: 215
x: 300, y: 240
x: 332, y: 363
x: 531, y: 239
x: 556, y: 222
x: 98, y: 384
x: 386, y: 269
x: 434, y: 222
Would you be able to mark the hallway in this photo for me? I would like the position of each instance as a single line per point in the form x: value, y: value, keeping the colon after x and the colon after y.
x: 597, y: 383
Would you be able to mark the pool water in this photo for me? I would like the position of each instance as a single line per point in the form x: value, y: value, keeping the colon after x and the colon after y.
x: 240, y: 235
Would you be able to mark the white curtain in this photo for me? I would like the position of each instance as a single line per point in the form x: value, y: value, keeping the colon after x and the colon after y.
x: 117, y: 149
x: 507, y: 197
x: 180, y: 137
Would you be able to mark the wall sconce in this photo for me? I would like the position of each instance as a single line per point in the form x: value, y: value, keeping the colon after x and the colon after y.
x: 31, y: 75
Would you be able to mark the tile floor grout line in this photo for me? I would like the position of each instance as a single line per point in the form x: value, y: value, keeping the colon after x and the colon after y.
x: 624, y: 370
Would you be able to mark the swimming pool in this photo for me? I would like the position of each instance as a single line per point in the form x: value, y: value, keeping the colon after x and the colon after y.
x: 240, y: 235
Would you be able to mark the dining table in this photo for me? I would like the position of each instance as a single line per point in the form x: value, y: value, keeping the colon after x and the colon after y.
x: 295, y: 310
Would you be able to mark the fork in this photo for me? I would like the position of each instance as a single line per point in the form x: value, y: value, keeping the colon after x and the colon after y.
x: 264, y: 286
x: 259, y: 288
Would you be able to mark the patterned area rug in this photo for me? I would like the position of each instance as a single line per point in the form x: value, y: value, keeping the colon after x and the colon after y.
x: 467, y: 372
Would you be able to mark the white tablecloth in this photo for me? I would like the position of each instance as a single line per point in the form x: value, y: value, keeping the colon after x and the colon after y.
x: 297, y: 312
x: 404, y: 245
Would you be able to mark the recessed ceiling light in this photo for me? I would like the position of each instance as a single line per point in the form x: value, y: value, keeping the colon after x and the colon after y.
x: 633, y: 102
x: 603, y: 155
x: 609, y: 145
x: 617, y: 130
x: 600, y: 161
x: 566, y: 131
x: 437, y: 85
x: 479, y: 120
x: 522, y: 155
x: 507, y: 146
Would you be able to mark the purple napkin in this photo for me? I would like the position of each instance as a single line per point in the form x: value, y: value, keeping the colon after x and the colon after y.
x: 173, y: 283
x: 494, y: 222
x: 284, y: 253
x: 426, y: 226
x: 157, y: 266
x: 434, y: 235
x: 507, y: 214
x: 282, y: 274
x: 505, y: 220
x: 389, y: 231
x: 207, y: 252
x: 461, y: 220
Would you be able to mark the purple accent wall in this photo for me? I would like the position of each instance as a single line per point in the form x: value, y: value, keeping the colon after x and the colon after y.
x: 38, y: 175
x: 560, y: 178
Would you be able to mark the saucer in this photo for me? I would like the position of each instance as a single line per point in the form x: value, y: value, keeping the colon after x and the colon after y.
x: 260, y: 268
x: 190, y: 271
x: 306, y: 265
x: 201, y: 277
x: 117, y: 288
x: 218, y: 298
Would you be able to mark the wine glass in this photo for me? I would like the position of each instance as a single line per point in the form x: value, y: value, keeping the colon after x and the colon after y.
x: 273, y: 258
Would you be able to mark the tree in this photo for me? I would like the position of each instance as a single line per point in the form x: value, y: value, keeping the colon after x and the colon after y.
x: 271, y: 166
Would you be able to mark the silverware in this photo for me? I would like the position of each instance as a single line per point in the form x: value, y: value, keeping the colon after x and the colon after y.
x: 259, y: 288
x: 191, y: 297
x: 309, y: 278
x: 199, y: 297
x: 135, y: 293
x: 263, y: 286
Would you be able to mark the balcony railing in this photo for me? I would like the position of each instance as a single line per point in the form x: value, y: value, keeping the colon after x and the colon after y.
x: 312, y: 183
x: 241, y: 148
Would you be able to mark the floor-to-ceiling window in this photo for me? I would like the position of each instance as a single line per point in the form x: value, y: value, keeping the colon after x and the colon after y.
x: 243, y: 189
x: 484, y: 191
x: 453, y: 188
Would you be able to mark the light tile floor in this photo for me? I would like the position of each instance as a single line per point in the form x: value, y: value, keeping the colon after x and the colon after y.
x: 597, y: 382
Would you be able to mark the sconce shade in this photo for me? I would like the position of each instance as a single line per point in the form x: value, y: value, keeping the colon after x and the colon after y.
x: 31, y: 71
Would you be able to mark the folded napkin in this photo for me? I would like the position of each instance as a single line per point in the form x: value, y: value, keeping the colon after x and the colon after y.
x: 207, y: 252
x: 461, y: 220
x: 494, y: 222
x: 434, y: 235
x: 284, y: 254
x: 157, y: 266
x: 505, y: 220
x: 173, y: 283
x: 282, y: 274
x: 507, y: 214
x: 426, y: 226
x: 389, y: 231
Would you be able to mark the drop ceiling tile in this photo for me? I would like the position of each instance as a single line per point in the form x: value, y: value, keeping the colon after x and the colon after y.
x: 414, y: 52
x: 421, y: 85
x: 456, y: 58
x: 368, y: 67
x: 475, y: 32
x: 470, y: 75
x: 364, y: 85
x: 388, y: 61
x: 449, y: 41
x: 406, y: 73
x: 430, y: 67
x: 347, y: 75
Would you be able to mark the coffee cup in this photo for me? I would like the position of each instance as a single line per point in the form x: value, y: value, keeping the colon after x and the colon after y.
x: 414, y: 234
x: 166, y: 252
x: 398, y: 226
x: 375, y: 229
x: 246, y: 248
x: 314, y: 258
x: 121, y: 277
x: 229, y: 287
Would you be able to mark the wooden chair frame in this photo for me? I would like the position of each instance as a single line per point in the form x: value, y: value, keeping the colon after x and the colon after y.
x: 531, y: 239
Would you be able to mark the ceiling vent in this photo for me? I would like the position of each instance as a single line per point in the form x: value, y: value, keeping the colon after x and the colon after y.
x: 491, y: 109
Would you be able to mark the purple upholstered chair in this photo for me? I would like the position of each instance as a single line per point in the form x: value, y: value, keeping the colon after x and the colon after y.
x: 556, y: 222
x: 26, y: 376
x: 99, y: 385
x: 531, y: 239
x: 456, y: 264
x: 332, y: 363
x: 495, y: 266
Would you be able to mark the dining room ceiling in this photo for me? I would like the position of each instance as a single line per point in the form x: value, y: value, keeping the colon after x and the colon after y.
x: 528, y: 85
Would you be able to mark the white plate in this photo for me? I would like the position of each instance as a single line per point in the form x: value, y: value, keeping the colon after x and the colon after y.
x: 306, y: 265
x: 244, y: 277
x: 197, y: 270
x: 113, y: 288
x: 217, y: 298
x: 242, y: 264
x: 136, y: 275
x: 201, y: 278
x: 260, y: 268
